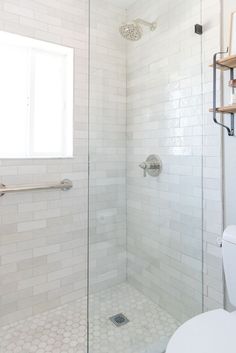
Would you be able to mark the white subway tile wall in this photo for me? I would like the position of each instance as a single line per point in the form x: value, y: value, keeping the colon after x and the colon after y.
x: 164, y: 117
x: 107, y: 147
x: 43, y: 234
x: 212, y: 164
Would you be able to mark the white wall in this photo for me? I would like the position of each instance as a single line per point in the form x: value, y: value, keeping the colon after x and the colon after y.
x: 164, y: 117
x: 212, y: 164
x: 229, y: 142
x: 43, y: 234
x: 229, y: 164
x: 107, y: 124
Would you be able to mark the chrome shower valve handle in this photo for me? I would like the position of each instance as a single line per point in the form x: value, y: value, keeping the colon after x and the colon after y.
x: 144, y: 166
x: 152, y: 166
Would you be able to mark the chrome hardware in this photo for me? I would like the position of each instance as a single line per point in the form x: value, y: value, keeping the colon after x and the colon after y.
x: 152, y: 166
x: 144, y: 167
x: 64, y: 185
x: 219, y: 242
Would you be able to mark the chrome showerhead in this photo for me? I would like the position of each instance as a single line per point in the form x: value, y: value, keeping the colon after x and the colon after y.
x: 133, y: 31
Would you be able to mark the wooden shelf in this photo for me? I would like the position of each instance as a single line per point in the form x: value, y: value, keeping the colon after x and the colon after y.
x: 229, y: 62
x: 228, y: 109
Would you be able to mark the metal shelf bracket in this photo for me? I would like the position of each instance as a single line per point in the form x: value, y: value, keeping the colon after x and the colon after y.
x: 230, y: 129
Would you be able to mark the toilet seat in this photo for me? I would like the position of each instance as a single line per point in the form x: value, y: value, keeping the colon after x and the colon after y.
x: 211, y: 332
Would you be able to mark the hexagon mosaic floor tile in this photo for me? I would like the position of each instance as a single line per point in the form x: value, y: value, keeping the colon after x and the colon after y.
x: 64, y: 330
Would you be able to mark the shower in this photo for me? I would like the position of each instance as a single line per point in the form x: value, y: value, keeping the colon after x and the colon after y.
x: 133, y: 31
x: 101, y: 214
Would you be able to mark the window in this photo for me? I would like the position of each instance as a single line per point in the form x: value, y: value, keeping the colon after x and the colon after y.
x: 36, y: 98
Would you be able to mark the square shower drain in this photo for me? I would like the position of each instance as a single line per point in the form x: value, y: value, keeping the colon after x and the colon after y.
x: 119, y: 320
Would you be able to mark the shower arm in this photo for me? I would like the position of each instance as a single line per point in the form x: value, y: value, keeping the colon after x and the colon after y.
x: 151, y: 25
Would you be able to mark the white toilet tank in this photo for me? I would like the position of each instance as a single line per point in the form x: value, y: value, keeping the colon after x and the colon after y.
x: 229, y: 260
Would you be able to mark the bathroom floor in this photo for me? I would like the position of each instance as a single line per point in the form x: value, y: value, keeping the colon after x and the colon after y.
x: 63, y: 330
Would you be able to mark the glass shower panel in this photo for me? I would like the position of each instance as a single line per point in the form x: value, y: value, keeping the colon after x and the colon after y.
x: 145, y: 236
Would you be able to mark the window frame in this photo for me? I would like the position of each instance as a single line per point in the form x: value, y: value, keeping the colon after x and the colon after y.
x: 33, y: 46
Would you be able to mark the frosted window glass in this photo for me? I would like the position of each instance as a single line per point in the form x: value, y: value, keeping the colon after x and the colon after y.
x: 13, y: 102
x: 36, y: 106
x: 48, y: 105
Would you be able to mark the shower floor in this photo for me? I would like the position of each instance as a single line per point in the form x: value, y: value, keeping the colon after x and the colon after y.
x: 63, y: 330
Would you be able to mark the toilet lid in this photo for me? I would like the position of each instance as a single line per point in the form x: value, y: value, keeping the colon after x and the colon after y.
x: 212, y: 332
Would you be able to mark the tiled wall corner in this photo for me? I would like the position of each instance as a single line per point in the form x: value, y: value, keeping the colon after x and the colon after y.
x: 43, y: 235
x: 212, y: 164
x: 107, y: 147
x: 164, y: 117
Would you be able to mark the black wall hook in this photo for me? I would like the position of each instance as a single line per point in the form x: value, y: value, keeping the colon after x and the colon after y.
x: 198, y: 29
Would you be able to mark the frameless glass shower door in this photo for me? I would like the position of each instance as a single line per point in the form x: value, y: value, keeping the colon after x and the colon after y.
x: 145, y: 236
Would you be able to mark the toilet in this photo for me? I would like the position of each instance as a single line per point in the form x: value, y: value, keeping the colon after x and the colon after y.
x: 214, y: 331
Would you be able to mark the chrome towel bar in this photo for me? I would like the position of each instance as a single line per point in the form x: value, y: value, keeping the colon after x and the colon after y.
x: 64, y: 185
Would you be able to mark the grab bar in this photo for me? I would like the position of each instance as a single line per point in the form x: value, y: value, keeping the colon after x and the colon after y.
x: 64, y: 185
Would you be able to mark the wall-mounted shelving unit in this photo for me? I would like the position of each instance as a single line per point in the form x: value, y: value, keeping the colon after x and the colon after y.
x: 227, y: 63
